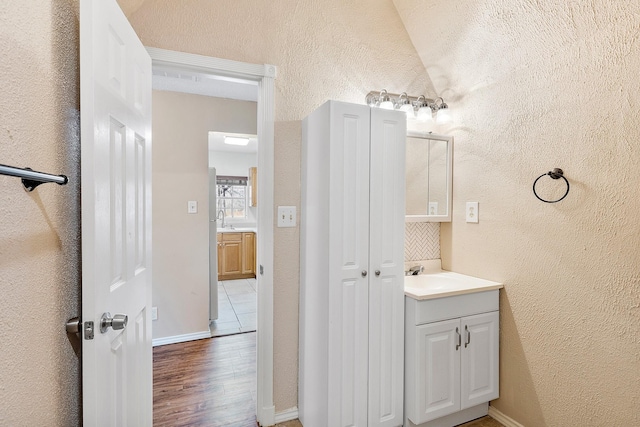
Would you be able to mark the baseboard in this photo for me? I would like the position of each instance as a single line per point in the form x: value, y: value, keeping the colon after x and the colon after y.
x: 181, y: 338
x: 288, y: 415
x: 502, y: 418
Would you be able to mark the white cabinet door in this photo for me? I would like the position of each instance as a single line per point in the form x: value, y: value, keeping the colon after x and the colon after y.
x: 386, y: 275
x: 480, y: 359
x: 349, y: 261
x: 438, y: 371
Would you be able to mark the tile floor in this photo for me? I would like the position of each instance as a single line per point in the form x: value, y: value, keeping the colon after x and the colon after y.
x: 237, y: 307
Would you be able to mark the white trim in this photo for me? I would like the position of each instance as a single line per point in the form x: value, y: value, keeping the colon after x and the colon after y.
x: 264, y: 74
x: 288, y: 415
x: 502, y: 418
x: 182, y: 338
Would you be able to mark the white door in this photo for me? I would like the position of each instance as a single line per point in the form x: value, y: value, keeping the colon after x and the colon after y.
x: 386, y: 259
x: 480, y: 359
x: 115, y: 102
x: 349, y: 280
x: 438, y: 370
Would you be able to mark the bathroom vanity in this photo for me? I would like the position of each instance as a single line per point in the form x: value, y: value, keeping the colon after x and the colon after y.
x: 451, y: 348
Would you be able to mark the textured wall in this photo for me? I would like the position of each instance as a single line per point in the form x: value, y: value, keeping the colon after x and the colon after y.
x: 324, y: 50
x: 181, y: 123
x: 39, y: 231
x: 538, y: 85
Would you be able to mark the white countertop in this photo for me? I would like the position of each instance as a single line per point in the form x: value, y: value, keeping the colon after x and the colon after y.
x: 238, y: 230
x: 442, y: 283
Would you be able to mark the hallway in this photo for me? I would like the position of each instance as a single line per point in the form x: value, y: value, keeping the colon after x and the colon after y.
x: 210, y: 382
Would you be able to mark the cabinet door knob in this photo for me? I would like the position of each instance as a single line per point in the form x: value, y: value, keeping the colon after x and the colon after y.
x: 364, y: 273
x: 377, y: 273
x: 466, y: 329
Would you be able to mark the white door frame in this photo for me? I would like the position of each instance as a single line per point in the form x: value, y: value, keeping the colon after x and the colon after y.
x: 263, y: 74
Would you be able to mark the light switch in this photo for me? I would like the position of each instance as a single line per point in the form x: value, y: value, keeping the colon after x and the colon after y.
x: 286, y: 216
x: 192, y: 206
x: 472, y: 212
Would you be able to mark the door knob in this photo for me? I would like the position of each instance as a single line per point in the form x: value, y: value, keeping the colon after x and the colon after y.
x: 117, y: 322
x: 377, y: 273
x: 364, y: 273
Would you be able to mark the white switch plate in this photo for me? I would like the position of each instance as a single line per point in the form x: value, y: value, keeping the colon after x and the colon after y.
x: 286, y: 216
x: 154, y: 313
x: 472, y: 212
x: 192, y: 206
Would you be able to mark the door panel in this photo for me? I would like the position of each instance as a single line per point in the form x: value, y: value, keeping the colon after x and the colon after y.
x: 438, y: 371
x: 480, y: 359
x: 386, y: 258
x: 348, y: 292
x: 115, y: 83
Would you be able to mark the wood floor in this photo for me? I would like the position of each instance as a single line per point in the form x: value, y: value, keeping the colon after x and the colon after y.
x: 209, y: 382
x: 212, y: 383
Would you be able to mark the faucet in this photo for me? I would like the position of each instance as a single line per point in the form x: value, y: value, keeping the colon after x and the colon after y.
x: 415, y: 270
x: 221, y: 216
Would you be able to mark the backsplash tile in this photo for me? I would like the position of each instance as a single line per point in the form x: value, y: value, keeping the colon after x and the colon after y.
x: 421, y: 241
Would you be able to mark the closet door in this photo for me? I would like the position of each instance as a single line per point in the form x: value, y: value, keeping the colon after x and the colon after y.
x: 386, y: 259
x: 348, y: 264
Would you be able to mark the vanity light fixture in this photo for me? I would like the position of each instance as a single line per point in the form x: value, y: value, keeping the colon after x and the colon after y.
x: 418, y: 107
x: 234, y: 140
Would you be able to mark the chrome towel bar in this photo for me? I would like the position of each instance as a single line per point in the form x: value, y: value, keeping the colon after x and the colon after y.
x: 30, y: 178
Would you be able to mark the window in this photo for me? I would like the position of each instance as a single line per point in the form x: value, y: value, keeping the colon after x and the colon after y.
x: 232, y: 196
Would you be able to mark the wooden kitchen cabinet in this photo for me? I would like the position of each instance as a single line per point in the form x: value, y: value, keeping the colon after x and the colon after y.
x: 249, y: 253
x: 253, y: 187
x: 236, y: 255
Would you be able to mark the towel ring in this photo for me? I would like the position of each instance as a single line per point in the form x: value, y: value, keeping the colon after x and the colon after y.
x: 557, y: 173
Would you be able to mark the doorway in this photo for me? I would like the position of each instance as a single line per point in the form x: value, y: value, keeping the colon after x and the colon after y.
x: 230, y: 74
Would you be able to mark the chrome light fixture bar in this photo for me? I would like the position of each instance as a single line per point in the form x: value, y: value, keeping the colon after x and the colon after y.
x: 416, y: 107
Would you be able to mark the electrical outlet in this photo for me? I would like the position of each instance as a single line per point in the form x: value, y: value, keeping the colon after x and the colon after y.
x: 286, y: 216
x: 472, y: 212
x: 154, y: 313
x: 192, y: 206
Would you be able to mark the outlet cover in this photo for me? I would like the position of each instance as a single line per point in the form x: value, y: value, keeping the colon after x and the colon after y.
x: 286, y: 216
x: 472, y: 212
x: 192, y: 206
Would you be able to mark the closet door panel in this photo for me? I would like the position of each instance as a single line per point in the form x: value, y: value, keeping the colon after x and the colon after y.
x: 386, y: 286
x: 348, y: 264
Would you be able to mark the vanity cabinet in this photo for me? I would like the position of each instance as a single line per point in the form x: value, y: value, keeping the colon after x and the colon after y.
x: 236, y: 255
x: 351, y: 267
x: 451, y: 364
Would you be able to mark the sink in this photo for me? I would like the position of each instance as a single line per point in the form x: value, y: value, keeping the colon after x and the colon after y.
x: 444, y: 283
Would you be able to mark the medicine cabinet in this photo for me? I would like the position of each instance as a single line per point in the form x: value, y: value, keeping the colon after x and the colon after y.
x: 428, y: 177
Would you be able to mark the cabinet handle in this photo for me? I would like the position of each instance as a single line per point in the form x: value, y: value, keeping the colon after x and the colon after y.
x: 466, y: 329
x: 364, y: 273
x: 459, y: 339
x: 377, y: 273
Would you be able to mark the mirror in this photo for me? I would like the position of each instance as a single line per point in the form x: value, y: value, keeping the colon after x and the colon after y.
x: 428, y: 177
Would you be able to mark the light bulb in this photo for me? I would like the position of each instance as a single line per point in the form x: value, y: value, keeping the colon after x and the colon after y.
x: 386, y: 105
x: 425, y: 115
x: 408, y: 110
x: 444, y: 115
